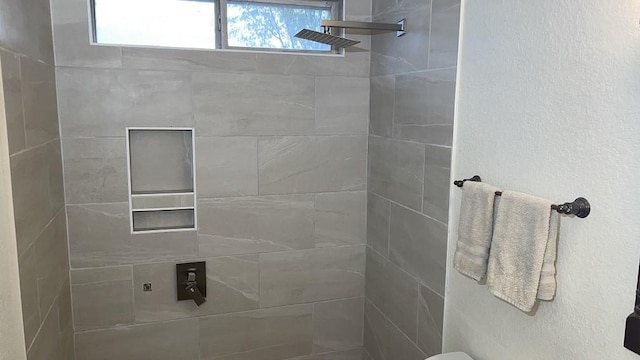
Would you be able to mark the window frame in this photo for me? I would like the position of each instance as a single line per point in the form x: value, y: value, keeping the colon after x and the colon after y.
x: 221, y: 28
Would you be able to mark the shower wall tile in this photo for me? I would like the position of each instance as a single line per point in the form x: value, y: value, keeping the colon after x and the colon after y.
x: 72, y: 40
x: 97, y: 103
x: 295, y: 277
x: 396, y: 170
x: 52, y: 261
x: 249, y: 225
x: 430, y: 321
x: 425, y: 98
x: 445, y: 23
x: 392, y: 291
x: 355, y: 63
x: 99, y: 235
x: 13, y: 109
x: 65, y: 314
x: 188, y: 60
x: 418, y: 245
x: 355, y: 354
x: 342, y: 105
x: 381, y: 105
x: 337, y: 325
x: 393, y: 55
x: 441, y: 135
x: 174, y: 340
x: 35, y: 193
x: 232, y: 286
x: 253, y: 104
x: 31, y: 317
x: 102, y: 297
x: 39, y: 101
x: 378, y: 209
x: 26, y: 28
x: 250, y: 335
x: 340, y: 218
x: 47, y: 346
x: 293, y: 164
x: 95, y: 170
x: 383, y: 341
x: 227, y: 166
x: 437, y: 180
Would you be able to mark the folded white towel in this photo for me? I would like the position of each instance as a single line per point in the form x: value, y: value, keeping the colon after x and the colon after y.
x: 523, y: 250
x: 475, y: 229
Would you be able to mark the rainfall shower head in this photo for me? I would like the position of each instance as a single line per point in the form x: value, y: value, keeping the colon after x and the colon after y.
x: 325, y: 38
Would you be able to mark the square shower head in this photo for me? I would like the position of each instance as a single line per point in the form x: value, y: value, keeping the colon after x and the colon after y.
x: 325, y: 38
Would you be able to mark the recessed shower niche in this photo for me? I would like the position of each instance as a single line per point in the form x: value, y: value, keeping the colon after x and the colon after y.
x: 161, y: 179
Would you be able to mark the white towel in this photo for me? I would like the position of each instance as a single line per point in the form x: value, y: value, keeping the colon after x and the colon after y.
x: 475, y: 229
x: 523, y: 250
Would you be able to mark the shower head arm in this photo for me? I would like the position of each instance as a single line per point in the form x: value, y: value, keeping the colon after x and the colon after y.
x: 400, y: 26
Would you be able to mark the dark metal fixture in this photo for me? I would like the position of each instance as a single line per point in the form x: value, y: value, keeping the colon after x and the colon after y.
x: 580, y: 207
x: 327, y: 38
x: 192, y: 282
x: 632, y: 331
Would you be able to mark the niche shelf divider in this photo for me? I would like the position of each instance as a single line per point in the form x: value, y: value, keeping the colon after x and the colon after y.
x: 162, y: 179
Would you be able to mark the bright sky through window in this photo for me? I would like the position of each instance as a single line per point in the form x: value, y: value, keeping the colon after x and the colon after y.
x: 193, y: 23
x: 171, y: 23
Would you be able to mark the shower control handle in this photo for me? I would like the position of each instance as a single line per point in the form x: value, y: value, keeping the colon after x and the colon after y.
x: 194, y: 292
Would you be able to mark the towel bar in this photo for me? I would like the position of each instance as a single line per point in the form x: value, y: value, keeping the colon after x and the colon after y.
x: 580, y: 207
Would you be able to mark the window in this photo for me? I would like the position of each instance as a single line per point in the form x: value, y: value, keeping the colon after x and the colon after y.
x: 212, y: 24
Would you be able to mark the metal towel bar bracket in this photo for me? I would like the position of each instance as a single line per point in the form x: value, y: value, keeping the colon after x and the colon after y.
x: 580, y: 207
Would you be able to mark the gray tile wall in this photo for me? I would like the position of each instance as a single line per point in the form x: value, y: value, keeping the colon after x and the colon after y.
x: 281, y: 162
x: 29, y: 85
x: 410, y: 133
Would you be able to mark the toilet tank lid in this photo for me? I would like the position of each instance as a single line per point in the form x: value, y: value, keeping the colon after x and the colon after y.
x: 451, y: 356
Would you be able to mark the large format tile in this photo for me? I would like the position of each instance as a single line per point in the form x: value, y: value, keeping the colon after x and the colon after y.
x: 393, y: 55
x: 99, y: 235
x: 188, y: 60
x: 39, y: 101
x: 355, y: 62
x: 378, y: 209
x: 340, y: 218
x: 31, y: 317
x: 267, y: 334
x: 294, y: 164
x: 429, y: 134
x: 253, y: 104
x: 102, y: 102
x: 174, y: 340
x: 13, y: 109
x: 294, y: 277
x: 430, y: 321
x: 445, y: 26
x: 437, y: 182
x: 26, y: 28
x: 396, y: 170
x: 337, y: 325
x: 419, y: 246
x: 381, y: 106
x: 383, y: 341
x: 227, y: 166
x: 393, y: 292
x: 342, y: 105
x: 65, y: 313
x: 102, y: 297
x: 425, y: 98
x: 32, y: 179
x: 72, y: 38
x: 355, y: 354
x: 250, y: 225
x: 95, y: 170
x: 232, y: 286
x: 52, y: 261
x: 46, y: 345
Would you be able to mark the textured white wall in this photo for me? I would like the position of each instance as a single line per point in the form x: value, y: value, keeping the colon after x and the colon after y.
x: 11, y: 331
x: 549, y: 104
